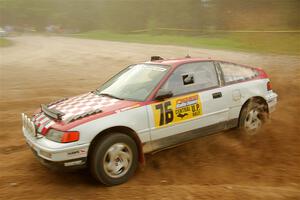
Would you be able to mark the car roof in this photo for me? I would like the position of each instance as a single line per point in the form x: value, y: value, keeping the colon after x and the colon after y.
x: 177, y: 61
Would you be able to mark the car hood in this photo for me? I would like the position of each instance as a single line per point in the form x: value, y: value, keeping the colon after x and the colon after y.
x: 79, y: 107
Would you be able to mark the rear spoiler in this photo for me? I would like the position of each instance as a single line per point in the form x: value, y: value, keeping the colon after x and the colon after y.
x: 53, y: 113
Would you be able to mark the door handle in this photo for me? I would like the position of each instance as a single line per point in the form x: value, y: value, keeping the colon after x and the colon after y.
x: 217, y: 95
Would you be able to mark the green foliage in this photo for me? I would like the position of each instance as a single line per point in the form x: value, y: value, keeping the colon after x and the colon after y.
x: 129, y: 15
x: 281, y: 43
x: 5, y: 42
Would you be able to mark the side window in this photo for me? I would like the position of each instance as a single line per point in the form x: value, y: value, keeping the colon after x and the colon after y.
x: 192, y: 77
x: 233, y: 73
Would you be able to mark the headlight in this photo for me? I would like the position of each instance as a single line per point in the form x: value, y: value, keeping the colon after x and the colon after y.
x: 62, y: 137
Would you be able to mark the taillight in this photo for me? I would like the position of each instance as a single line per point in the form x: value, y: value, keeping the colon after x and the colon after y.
x: 261, y: 73
x: 269, y: 87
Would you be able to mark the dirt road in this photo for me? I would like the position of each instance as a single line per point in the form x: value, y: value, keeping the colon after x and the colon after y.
x: 40, y: 69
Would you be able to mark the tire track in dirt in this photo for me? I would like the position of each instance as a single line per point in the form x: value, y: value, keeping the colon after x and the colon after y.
x: 12, y: 149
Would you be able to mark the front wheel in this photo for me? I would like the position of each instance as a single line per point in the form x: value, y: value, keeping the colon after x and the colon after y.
x: 252, y: 117
x: 114, y: 159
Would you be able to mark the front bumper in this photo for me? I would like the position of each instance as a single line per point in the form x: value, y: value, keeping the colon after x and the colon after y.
x: 57, y: 155
x: 271, y: 98
x: 73, y: 164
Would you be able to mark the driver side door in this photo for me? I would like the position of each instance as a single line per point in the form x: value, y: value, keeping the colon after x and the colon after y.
x: 196, y: 107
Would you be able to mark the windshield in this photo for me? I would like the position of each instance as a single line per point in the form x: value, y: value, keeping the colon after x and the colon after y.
x: 134, y: 83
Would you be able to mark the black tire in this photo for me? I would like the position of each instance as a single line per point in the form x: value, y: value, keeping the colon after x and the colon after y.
x: 101, y: 157
x: 251, y: 125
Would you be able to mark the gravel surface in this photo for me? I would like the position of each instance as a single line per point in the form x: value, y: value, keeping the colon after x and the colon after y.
x: 40, y: 69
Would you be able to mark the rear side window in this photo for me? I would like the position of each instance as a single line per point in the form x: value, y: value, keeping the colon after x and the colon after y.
x: 192, y: 77
x: 234, y: 73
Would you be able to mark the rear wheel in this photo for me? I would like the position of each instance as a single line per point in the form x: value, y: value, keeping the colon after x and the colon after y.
x: 114, y: 159
x: 252, y: 117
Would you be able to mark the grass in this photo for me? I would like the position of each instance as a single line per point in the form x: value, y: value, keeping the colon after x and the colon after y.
x: 5, y: 42
x: 278, y: 43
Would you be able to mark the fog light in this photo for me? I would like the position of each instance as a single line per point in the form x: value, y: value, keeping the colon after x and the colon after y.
x: 45, y: 154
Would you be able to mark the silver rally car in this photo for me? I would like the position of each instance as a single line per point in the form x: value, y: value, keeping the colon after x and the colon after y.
x: 144, y: 108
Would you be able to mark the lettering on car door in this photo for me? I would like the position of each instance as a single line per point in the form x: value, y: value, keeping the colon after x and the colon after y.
x: 177, y: 109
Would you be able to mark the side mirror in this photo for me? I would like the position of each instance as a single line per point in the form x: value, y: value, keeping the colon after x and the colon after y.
x: 163, y: 94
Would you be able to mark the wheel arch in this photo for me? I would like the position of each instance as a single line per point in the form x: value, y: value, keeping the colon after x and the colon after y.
x: 256, y: 99
x: 121, y: 129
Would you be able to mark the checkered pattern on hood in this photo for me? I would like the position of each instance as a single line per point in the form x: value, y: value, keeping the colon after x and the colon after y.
x: 81, y: 104
x: 73, y: 106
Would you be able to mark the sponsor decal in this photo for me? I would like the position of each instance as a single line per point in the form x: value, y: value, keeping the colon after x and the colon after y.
x: 177, y: 109
x: 77, y: 152
x: 153, y: 67
x: 77, y: 162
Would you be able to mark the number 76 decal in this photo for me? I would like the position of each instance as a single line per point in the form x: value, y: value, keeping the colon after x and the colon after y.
x: 177, y: 109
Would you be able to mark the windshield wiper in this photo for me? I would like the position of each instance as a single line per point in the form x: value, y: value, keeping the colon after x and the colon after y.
x: 109, y: 95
